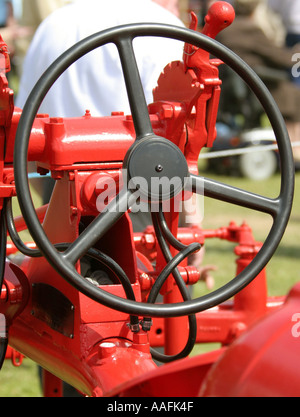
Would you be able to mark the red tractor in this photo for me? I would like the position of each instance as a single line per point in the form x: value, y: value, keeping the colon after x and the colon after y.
x: 100, y: 331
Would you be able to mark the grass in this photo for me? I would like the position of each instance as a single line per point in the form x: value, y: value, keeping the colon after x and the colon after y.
x: 283, y: 270
x: 20, y: 382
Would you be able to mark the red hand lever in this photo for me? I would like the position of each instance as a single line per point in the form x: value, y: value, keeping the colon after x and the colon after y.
x: 220, y: 15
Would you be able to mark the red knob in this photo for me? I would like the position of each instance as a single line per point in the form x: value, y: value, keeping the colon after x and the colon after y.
x: 220, y: 15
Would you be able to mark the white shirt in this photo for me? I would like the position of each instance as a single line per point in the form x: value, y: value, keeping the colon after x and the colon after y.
x: 290, y: 13
x: 95, y: 82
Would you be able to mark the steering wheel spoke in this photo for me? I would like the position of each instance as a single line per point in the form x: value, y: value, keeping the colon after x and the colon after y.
x: 136, y: 96
x: 233, y: 195
x: 99, y: 226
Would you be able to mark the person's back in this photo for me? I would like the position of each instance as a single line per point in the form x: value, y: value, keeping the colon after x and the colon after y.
x: 96, y: 81
x: 35, y: 11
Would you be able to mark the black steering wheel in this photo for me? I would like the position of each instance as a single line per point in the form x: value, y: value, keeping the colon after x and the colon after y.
x: 146, y: 141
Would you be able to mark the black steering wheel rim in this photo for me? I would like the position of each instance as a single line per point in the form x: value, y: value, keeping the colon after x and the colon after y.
x: 279, y: 209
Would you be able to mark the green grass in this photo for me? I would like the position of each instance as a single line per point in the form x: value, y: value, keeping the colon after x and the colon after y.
x: 282, y: 272
x: 20, y: 382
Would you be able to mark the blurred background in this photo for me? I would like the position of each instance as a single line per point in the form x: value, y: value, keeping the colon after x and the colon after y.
x: 244, y: 153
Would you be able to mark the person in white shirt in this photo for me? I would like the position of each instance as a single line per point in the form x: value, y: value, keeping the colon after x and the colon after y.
x: 96, y: 81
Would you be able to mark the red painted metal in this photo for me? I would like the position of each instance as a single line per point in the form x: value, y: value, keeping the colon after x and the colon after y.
x: 252, y: 366
x: 15, y: 292
x: 52, y: 386
x: 91, y: 347
x: 179, y: 379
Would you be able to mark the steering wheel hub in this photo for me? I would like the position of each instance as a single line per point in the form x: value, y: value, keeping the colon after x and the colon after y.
x: 156, y: 168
